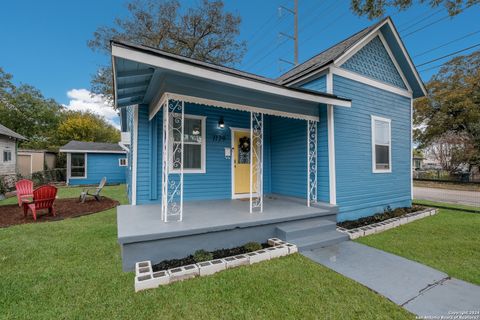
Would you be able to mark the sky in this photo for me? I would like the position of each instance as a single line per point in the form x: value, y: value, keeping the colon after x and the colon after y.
x: 44, y: 43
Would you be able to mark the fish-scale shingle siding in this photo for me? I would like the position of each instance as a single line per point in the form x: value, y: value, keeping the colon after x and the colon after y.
x: 373, y: 61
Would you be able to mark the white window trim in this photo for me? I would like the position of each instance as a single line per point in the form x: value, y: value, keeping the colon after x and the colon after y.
x: 69, y: 163
x: 203, y: 148
x: 120, y: 162
x: 3, y: 156
x: 374, y: 167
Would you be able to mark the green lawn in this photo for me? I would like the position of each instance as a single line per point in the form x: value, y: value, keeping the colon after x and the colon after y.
x: 448, y: 241
x: 71, y: 269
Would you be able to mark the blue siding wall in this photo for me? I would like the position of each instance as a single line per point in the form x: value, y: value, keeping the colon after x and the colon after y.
x: 289, y: 156
x: 359, y: 191
x: 373, y: 61
x: 101, y: 165
x: 323, y: 183
x: 216, y: 182
x: 319, y: 84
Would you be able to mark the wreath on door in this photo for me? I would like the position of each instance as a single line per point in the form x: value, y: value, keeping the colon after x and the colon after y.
x: 244, y: 144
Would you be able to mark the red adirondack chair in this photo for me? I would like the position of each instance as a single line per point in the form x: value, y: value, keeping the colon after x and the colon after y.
x: 24, y: 190
x: 43, y: 198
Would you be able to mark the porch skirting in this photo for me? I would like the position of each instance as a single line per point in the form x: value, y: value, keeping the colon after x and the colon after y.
x: 207, y: 225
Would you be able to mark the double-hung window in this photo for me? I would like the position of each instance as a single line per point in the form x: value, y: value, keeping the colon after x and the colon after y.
x: 7, y: 155
x: 381, y: 145
x: 193, y: 144
x: 78, y: 165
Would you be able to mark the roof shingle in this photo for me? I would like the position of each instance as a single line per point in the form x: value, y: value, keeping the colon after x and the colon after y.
x: 91, y: 146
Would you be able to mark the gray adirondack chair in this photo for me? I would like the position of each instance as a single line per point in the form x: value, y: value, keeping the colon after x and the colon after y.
x: 93, y: 192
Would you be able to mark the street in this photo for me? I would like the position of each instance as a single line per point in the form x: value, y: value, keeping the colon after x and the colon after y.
x: 470, y: 198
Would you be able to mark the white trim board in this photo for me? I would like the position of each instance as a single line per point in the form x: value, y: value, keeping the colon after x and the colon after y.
x: 226, y: 105
x: 374, y: 162
x: 369, y: 81
x: 191, y: 70
x: 134, y: 155
x: 332, y: 171
x: 90, y: 151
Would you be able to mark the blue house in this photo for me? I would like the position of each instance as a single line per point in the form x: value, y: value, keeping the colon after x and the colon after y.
x: 219, y: 157
x: 89, y: 162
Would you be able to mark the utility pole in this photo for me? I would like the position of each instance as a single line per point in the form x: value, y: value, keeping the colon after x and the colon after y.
x: 294, y: 12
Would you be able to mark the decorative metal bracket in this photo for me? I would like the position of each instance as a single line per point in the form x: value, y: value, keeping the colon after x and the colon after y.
x: 311, y: 162
x: 256, y: 162
x: 172, y: 160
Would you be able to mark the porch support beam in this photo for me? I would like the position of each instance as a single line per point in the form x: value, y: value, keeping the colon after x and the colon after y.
x: 256, y: 162
x: 172, y: 160
x: 311, y: 162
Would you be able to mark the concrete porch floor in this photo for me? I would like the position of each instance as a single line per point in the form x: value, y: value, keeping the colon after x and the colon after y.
x: 143, y: 222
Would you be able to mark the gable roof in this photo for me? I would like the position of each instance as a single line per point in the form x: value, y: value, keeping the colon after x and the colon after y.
x: 327, y: 56
x: 94, y: 147
x: 10, y: 133
x: 352, y: 44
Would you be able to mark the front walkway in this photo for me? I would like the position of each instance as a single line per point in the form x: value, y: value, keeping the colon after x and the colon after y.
x: 421, y: 290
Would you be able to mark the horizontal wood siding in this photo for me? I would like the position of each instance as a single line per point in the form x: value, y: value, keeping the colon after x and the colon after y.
x: 319, y: 84
x: 289, y: 156
x: 215, y: 183
x: 322, y: 156
x: 8, y: 144
x: 360, y: 192
x: 101, y: 165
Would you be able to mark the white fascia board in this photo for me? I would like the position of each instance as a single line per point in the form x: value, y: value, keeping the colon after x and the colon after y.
x: 89, y: 151
x: 310, y: 76
x: 176, y: 66
x: 227, y: 105
x: 369, y: 81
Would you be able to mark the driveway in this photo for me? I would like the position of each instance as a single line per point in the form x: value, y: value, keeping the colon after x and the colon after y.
x: 421, y: 290
x: 469, y: 198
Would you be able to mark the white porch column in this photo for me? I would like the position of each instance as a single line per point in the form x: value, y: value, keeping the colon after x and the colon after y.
x: 311, y: 162
x: 331, y: 144
x: 172, y: 160
x: 256, y: 161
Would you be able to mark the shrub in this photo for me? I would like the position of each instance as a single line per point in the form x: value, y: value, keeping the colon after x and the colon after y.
x: 252, y: 246
x: 202, y: 255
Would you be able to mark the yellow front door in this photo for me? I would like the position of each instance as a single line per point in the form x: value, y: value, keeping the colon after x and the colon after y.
x: 241, y: 163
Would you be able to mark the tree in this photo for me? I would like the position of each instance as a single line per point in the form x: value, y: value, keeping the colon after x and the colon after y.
x: 452, y: 151
x: 26, y: 111
x: 376, y: 8
x: 205, y: 32
x: 85, y: 126
x: 452, y: 107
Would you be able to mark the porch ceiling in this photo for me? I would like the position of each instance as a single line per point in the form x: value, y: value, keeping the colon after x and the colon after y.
x: 142, y: 75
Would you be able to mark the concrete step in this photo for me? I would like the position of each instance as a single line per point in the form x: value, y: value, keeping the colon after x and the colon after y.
x: 305, y: 228
x: 320, y: 240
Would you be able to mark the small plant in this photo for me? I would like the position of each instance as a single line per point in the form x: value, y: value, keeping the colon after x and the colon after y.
x: 3, y: 190
x: 202, y: 255
x: 252, y: 246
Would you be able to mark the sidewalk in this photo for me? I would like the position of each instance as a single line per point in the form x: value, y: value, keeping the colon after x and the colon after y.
x: 421, y: 290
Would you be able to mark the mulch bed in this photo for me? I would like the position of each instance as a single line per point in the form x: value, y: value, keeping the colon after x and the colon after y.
x: 64, y: 208
x: 217, y: 254
x: 379, y: 217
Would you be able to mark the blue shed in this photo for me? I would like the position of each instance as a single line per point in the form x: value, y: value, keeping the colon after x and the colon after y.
x: 214, y: 149
x: 89, y: 162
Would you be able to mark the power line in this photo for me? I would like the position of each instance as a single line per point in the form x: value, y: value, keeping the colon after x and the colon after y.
x: 426, y: 26
x: 448, y: 55
x: 446, y: 44
x: 421, y: 20
x: 431, y: 68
